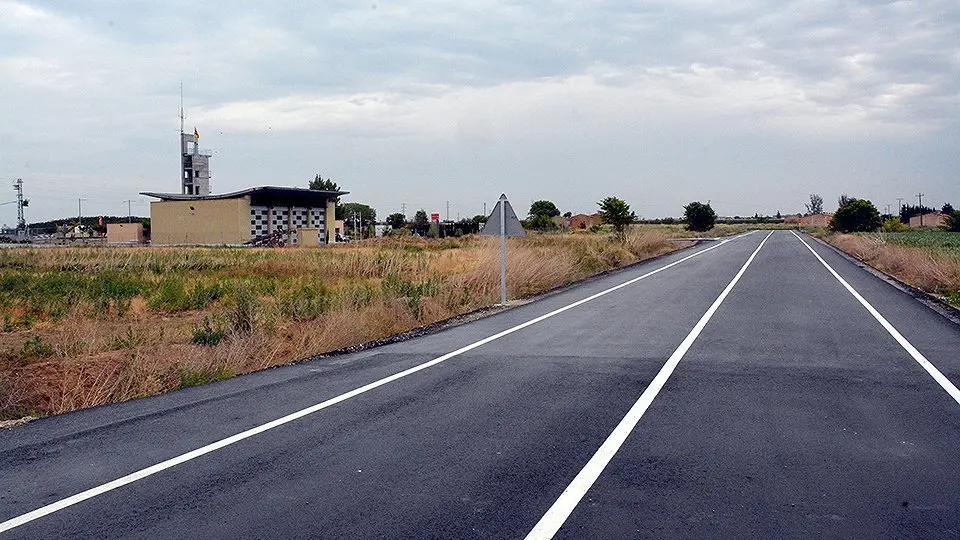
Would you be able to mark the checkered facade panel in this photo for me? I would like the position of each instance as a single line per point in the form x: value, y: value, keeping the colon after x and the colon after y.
x: 259, y: 216
x: 279, y: 218
x: 262, y: 216
x: 318, y: 219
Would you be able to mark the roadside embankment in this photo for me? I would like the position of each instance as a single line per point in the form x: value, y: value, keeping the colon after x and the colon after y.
x: 88, y: 326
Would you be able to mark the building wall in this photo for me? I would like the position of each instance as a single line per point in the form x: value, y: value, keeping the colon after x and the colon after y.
x: 266, y: 219
x: 330, y: 221
x: 124, y: 233
x: 584, y: 221
x: 935, y: 219
x: 816, y: 220
x: 217, y: 221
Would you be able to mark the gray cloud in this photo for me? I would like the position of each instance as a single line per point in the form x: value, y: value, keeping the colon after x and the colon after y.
x: 751, y: 104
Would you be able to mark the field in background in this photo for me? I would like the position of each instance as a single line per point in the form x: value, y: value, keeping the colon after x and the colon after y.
x: 88, y: 326
x: 720, y: 230
x: 928, y: 260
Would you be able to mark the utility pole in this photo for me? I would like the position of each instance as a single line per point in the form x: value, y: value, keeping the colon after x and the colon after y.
x: 888, y: 210
x: 80, y: 213
x: 448, y: 210
x: 403, y: 209
x: 920, y: 199
x: 484, y: 207
x: 899, y: 205
x: 129, y: 211
x: 21, y: 221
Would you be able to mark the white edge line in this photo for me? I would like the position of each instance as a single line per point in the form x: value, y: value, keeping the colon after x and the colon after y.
x: 917, y: 355
x: 163, y: 465
x: 558, y: 513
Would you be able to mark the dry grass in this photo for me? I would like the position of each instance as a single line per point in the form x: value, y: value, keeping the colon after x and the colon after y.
x: 88, y: 326
x: 933, y: 270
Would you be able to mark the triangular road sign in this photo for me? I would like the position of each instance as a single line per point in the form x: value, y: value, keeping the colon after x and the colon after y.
x: 510, y: 220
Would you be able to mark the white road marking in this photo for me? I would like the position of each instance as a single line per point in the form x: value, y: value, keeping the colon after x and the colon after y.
x: 922, y: 360
x: 143, y: 473
x: 558, y: 513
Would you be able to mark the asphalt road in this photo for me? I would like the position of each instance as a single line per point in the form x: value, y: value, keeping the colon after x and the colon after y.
x: 751, y: 400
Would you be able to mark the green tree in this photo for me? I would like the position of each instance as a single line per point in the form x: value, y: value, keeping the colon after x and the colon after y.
x: 947, y: 209
x: 816, y: 204
x: 616, y: 212
x: 324, y: 184
x: 540, y: 215
x: 952, y: 223
x: 327, y: 184
x: 856, y: 215
x: 543, y: 208
x: 699, y: 216
x: 396, y: 221
x: 362, y: 212
x: 420, y: 222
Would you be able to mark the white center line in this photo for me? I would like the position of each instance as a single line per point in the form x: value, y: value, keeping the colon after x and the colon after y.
x: 153, y: 469
x: 557, y: 515
x: 922, y: 360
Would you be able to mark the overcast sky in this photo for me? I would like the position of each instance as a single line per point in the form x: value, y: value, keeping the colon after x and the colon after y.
x: 752, y: 105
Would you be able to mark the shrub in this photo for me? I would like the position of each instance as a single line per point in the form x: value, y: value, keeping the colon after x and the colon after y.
x: 206, y: 334
x: 856, y: 215
x: 171, y: 296
x: 894, y: 225
x: 128, y: 340
x: 305, y: 303
x: 35, y: 348
x: 699, y: 217
x: 246, y: 312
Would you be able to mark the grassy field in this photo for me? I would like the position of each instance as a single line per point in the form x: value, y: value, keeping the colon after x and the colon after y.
x: 928, y: 260
x: 939, y: 242
x: 87, y: 326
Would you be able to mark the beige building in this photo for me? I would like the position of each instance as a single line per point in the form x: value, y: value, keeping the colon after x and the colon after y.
x: 243, y: 217
x: 935, y: 219
x: 125, y: 233
x: 585, y: 221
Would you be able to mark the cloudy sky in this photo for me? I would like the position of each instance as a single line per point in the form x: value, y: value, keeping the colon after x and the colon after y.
x: 750, y: 104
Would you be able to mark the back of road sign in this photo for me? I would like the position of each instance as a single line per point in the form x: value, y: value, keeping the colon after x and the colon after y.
x: 510, y: 220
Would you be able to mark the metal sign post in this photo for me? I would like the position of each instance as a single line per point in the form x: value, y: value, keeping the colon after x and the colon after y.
x: 503, y: 222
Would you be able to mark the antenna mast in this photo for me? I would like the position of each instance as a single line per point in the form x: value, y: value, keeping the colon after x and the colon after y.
x: 181, y: 107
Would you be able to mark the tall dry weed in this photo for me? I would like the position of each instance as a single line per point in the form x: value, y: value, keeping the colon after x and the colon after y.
x: 275, y: 306
x: 932, y: 272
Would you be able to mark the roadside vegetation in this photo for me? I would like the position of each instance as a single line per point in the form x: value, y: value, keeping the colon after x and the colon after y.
x: 926, y: 259
x: 88, y: 326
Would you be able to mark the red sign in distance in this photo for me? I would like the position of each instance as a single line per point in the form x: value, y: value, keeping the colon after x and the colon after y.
x: 435, y: 217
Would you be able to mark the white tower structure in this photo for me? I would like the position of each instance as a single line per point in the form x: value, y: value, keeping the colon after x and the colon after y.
x: 195, y: 163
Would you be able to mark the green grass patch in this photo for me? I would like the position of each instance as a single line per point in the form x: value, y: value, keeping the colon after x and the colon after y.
x: 200, y: 377
x: 938, y: 241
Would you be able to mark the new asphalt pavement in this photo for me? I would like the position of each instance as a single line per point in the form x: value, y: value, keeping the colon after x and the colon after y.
x: 737, y: 389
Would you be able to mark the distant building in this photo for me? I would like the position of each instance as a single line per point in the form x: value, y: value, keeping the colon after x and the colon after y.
x: 933, y: 220
x: 243, y: 216
x: 813, y: 220
x: 585, y: 221
x: 125, y: 233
